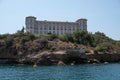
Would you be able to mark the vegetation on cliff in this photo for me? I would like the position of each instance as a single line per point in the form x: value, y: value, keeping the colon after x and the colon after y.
x: 29, y: 43
x: 51, y: 49
x: 99, y: 42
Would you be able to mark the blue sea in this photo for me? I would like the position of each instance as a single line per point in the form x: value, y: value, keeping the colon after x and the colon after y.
x: 76, y: 72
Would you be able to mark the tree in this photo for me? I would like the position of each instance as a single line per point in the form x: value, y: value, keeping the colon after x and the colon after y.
x: 82, y: 37
x: 23, y: 29
x: 100, y: 38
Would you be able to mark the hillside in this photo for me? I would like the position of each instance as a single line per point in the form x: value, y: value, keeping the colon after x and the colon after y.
x: 57, y: 49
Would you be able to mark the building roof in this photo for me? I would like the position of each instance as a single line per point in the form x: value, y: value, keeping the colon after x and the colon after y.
x: 30, y: 17
x: 55, y: 21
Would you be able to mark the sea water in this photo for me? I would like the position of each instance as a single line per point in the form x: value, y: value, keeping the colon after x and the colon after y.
x: 76, y: 72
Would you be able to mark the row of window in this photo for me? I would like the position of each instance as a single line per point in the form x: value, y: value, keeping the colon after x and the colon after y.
x: 53, y: 32
x: 56, y: 23
x: 41, y: 29
x: 46, y: 32
x: 57, y: 28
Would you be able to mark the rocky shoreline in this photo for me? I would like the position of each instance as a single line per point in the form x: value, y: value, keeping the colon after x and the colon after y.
x: 62, y: 57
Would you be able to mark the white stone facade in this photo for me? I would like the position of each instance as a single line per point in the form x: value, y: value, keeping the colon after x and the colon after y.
x: 54, y: 27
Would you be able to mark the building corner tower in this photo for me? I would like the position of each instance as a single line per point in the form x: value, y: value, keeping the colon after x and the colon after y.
x: 82, y: 24
x: 30, y: 22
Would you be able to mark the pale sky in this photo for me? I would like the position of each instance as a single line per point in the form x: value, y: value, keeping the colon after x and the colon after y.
x: 102, y: 15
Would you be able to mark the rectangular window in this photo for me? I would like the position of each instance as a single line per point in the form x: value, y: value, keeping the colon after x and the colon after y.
x: 40, y: 27
x: 53, y: 32
x: 40, y: 32
x: 61, y: 27
x: 45, y: 28
x: 57, y: 27
x: 53, y: 27
x: 30, y: 30
x: 49, y: 27
x: 65, y: 28
x: 44, y: 32
x: 73, y: 28
x: 57, y: 32
x: 36, y: 31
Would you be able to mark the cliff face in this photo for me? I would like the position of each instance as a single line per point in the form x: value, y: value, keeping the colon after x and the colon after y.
x: 57, y: 57
x: 8, y: 55
x: 103, y: 57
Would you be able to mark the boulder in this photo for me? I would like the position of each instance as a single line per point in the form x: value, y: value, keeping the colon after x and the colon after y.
x: 61, y: 63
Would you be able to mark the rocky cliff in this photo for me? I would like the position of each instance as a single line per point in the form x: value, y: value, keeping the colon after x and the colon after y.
x: 59, y: 57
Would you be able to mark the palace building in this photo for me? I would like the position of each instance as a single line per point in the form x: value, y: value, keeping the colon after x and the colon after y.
x: 54, y: 27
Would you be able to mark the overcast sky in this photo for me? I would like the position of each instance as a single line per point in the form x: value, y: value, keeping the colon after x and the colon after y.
x: 102, y: 15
